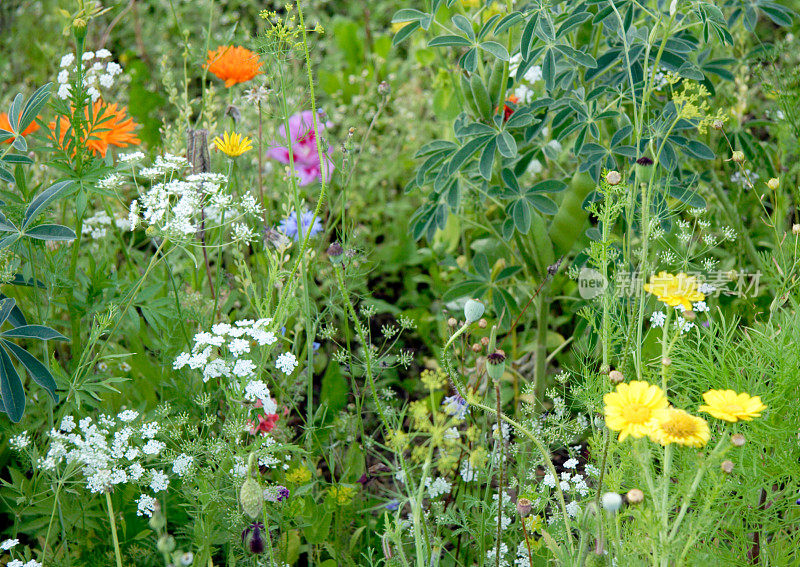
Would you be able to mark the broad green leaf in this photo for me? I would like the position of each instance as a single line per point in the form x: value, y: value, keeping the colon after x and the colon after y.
x: 6, y: 306
x: 495, y: 49
x: 38, y: 371
x: 506, y: 145
x: 34, y: 332
x: 449, y: 41
x: 404, y: 33
x: 11, y: 389
x: 43, y: 199
x: 544, y: 205
x: 33, y: 106
x: 51, y: 232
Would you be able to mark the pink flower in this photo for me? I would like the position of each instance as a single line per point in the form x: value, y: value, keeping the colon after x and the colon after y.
x: 303, y: 142
x: 266, y: 423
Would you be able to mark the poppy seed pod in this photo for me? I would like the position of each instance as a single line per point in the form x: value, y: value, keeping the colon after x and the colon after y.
x: 524, y: 507
x: 335, y: 252
x: 473, y: 310
x: 496, y: 364
x: 644, y: 169
x: 253, y: 538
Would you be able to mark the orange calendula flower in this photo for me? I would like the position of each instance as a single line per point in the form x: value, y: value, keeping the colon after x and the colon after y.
x: 107, y: 126
x: 233, y: 64
x: 675, y: 289
x: 6, y: 125
x: 730, y: 406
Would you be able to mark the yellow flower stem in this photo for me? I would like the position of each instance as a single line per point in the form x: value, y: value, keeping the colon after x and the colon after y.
x: 665, y: 349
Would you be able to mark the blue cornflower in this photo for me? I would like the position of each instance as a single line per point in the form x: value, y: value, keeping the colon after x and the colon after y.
x: 392, y: 505
x: 455, y: 406
x: 288, y: 226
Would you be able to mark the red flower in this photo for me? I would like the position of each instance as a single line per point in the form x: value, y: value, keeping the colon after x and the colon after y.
x: 507, y: 110
x: 266, y: 423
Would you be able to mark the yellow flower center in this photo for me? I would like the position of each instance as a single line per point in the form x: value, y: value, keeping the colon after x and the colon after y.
x: 734, y: 409
x: 636, y: 414
x: 679, y: 426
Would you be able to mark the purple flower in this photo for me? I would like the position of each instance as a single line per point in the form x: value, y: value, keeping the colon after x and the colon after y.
x: 288, y: 226
x: 303, y: 142
x: 392, y: 505
x: 283, y: 493
x: 253, y: 538
x: 455, y: 406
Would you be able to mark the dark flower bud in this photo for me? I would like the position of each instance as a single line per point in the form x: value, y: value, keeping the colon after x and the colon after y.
x: 253, y: 538
x: 234, y: 113
x: 335, y: 252
x: 644, y: 161
x: 524, y: 507
x: 644, y: 169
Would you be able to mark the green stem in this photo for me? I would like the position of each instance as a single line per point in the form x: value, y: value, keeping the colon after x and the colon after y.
x: 113, y: 522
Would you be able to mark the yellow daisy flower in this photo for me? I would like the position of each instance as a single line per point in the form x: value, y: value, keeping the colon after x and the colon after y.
x: 630, y: 408
x: 730, y: 406
x: 675, y: 289
x: 673, y: 425
x: 233, y: 144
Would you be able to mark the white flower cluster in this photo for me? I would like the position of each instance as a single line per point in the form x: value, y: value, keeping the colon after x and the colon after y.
x: 225, y: 352
x: 97, y: 225
x: 98, y: 72
x: 437, y: 487
x: 523, y: 91
x: 111, y: 450
x: 181, y: 207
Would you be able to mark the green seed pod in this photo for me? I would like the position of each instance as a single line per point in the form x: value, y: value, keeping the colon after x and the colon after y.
x: 466, y: 93
x: 542, y: 244
x: 473, y: 310
x: 568, y: 222
x: 496, y: 365
x: 166, y: 544
x: 251, y: 497
x: 482, y: 100
x: 496, y: 88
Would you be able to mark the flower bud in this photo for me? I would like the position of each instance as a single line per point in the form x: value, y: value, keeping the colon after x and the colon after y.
x: 451, y: 322
x: 616, y: 377
x: 727, y: 467
x: 253, y: 538
x: 613, y: 177
x: 251, y: 497
x: 738, y: 156
x: 635, y: 496
x: 738, y: 440
x: 796, y: 229
x: 496, y: 364
x: 384, y: 88
x: 485, y: 341
x: 524, y: 507
x: 186, y: 559
x: 611, y: 502
x: 483, y: 323
x: 718, y: 124
x: 473, y: 310
x: 157, y: 520
x: 689, y: 315
x: 666, y: 361
x: 673, y: 8
x: 166, y: 544
x: 335, y: 252
x: 774, y: 183
x: 476, y: 347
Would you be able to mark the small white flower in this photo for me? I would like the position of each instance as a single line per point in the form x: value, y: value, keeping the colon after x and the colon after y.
x: 63, y: 76
x: 182, y: 464
x: 146, y: 505
x: 19, y: 442
x: 159, y: 481
x: 571, y: 463
x: 657, y: 318
x: 127, y: 415
x: 67, y: 60
x: 153, y: 447
x: 286, y: 363
x: 102, y: 53
x: 9, y: 544
x: 87, y: 56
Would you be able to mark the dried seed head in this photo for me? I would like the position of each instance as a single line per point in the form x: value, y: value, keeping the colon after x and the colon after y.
x: 635, y: 496
x: 689, y: 315
x: 727, y: 467
x: 616, y: 377
x: 738, y: 440
x: 485, y: 341
x: 483, y: 323
x: 477, y: 347
x: 738, y: 156
x: 796, y: 229
x: 718, y: 124
x: 613, y: 177
x: 666, y: 361
x: 451, y: 322
x: 774, y: 183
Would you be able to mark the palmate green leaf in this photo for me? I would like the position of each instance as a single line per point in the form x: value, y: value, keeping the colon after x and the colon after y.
x: 13, y: 394
x: 487, y: 160
x: 6, y: 225
x: 7, y: 241
x: 14, y: 113
x: 20, y: 144
x: 34, y: 332
x: 528, y: 36
x: 520, y: 212
x: 38, y: 371
x: 5, y: 175
x: 506, y: 145
x: 578, y: 56
x: 6, y: 306
x: 43, y: 199
x: 469, y: 288
x: 16, y: 317
x: 51, y: 232
x: 5, y: 135
x: 464, y: 25
x: 544, y: 205
x: 405, y: 33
